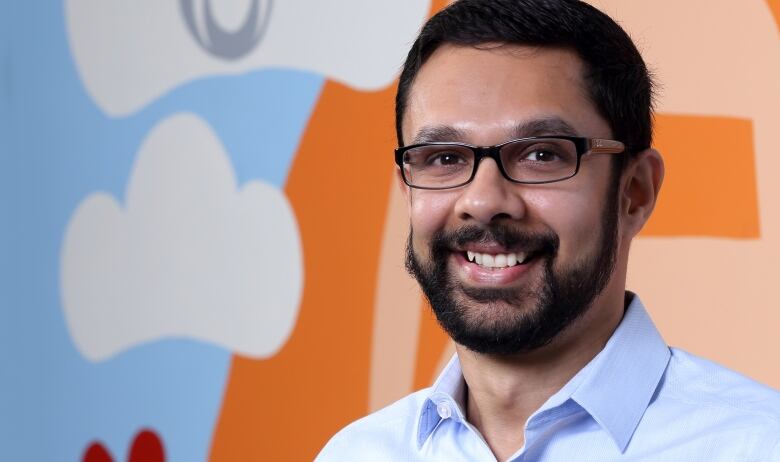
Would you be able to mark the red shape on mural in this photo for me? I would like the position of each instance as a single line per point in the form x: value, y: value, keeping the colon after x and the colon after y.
x: 96, y: 452
x: 147, y: 447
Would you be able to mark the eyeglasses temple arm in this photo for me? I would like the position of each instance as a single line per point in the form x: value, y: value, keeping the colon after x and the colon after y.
x: 602, y: 146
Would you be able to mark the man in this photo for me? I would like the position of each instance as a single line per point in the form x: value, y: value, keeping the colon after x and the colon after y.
x: 525, y: 134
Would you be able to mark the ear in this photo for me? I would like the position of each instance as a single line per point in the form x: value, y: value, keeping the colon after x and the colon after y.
x: 641, y: 185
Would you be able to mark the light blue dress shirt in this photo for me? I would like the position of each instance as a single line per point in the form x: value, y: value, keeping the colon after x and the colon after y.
x: 636, y: 400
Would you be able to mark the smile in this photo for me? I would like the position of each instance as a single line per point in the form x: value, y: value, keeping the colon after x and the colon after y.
x: 494, y: 267
x: 500, y: 260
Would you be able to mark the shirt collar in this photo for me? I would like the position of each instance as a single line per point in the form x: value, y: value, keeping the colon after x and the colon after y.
x: 623, y: 378
x: 615, y: 388
x: 449, y: 390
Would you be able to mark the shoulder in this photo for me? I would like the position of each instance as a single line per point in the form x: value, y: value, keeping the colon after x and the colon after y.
x: 383, y: 435
x: 708, y: 382
x: 721, y: 393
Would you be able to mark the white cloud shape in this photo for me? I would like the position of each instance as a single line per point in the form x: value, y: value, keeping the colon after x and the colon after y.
x: 129, y: 53
x: 188, y: 256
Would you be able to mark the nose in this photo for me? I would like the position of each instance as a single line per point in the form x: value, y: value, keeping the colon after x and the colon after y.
x: 490, y: 197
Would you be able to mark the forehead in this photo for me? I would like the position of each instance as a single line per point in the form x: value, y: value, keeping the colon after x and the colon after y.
x: 484, y: 93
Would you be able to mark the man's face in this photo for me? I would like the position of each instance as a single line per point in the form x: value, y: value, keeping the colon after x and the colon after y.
x: 563, y: 234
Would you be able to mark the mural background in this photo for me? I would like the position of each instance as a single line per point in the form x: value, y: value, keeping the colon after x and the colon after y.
x: 201, y: 241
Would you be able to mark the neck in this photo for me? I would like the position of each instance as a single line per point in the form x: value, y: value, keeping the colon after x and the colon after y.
x: 504, y: 391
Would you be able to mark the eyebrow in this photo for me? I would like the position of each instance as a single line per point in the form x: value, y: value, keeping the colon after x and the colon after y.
x: 548, y: 126
x: 545, y: 127
x: 438, y: 133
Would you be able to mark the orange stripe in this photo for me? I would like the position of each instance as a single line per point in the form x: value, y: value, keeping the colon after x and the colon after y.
x: 774, y: 6
x: 710, y: 185
x: 287, y: 407
x: 437, y: 5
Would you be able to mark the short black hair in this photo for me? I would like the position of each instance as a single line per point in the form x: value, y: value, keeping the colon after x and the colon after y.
x: 615, y: 75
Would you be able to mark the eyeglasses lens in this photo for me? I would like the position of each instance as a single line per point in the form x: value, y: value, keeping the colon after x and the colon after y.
x: 440, y: 166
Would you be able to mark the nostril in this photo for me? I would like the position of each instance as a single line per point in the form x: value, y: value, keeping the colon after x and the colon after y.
x: 465, y: 216
x: 501, y: 216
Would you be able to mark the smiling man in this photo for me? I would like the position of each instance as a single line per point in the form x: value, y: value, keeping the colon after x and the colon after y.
x: 525, y: 129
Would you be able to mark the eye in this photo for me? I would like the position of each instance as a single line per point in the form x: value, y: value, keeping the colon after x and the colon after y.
x: 445, y: 158
x: 542, y: 155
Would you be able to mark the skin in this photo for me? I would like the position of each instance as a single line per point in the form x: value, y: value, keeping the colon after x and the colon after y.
x: 484, y: 93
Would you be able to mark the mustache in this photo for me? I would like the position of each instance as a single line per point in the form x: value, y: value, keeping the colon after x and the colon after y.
x: 505, y: 236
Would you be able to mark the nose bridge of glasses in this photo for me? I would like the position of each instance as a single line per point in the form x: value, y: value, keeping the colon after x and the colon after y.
x: 489, y: 195
x: 487, y: 151
x: 490, y: 152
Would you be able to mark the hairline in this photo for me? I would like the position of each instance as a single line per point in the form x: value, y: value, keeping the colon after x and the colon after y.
x: 494, y: 45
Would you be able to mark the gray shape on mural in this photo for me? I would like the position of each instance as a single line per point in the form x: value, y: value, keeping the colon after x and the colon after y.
x: 219, y: 42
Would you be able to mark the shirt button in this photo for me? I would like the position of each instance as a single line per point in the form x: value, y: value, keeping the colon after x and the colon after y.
x: 444, y: 410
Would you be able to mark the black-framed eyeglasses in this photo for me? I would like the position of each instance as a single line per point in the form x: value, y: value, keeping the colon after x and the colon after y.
x: 534, y: 160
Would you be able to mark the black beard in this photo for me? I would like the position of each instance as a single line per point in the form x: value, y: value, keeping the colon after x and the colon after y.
x: 503, y: 326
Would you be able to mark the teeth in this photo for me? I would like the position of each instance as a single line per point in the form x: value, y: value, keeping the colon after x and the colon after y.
x: 501, y: 260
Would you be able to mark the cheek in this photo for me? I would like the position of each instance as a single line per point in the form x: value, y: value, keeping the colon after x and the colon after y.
x: 574, y: 216
x: 430, y: 211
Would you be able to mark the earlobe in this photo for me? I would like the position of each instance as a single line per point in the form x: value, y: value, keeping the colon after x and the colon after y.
x: 644, y: 176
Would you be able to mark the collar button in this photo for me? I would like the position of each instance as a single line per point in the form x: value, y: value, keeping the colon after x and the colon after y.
x: 444, y: 410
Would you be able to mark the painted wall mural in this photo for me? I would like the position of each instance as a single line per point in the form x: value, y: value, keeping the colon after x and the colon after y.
x: 201, y: 239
